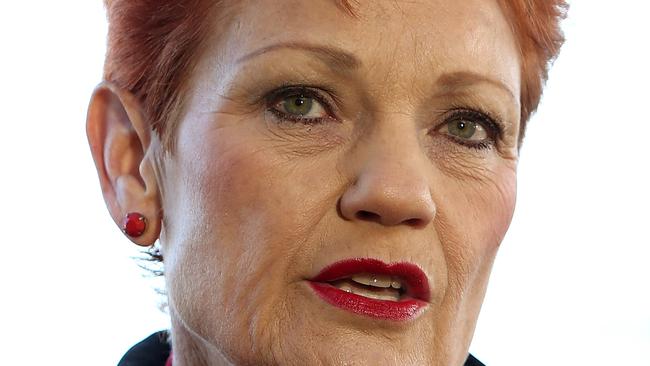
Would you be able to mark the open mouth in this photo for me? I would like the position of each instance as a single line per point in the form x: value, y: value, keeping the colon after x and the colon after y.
x: 372, y: 288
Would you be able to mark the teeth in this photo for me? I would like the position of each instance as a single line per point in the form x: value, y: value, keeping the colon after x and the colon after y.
x: 396, y: 284
x: 373, y: 280
x: 377, y: 281
x: 345, y: 287
x: 389, y: 295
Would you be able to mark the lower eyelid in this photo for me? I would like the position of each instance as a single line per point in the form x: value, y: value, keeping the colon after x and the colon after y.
x: 315, y: 104
x: 487, y: 143
x: 287, y: 118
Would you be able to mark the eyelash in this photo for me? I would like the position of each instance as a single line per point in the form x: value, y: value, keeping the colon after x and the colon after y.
x: 279, y: 94
x: 492, y: 124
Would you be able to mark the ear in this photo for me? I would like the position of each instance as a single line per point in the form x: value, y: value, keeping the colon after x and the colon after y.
x: 120, y: 142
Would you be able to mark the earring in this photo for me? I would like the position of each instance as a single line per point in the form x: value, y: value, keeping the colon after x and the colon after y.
x: 134, y: 225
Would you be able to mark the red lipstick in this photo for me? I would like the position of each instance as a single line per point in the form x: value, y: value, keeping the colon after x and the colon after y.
x: 415, y: 292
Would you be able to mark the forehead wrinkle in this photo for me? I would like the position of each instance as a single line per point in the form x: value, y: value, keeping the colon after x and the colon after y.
x: 335, y: 58
x: 454, y: 82
x: 346, y: 6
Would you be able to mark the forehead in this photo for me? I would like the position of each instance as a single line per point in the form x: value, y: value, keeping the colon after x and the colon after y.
x: 391, y: 37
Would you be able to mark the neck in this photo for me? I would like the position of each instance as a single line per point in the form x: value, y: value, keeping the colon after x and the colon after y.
x: 189, y: 349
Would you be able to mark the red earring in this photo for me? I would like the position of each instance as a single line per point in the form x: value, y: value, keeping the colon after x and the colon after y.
x: 134, y: 225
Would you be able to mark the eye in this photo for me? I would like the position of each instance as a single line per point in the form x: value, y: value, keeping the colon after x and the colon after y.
x: 465, y: 129
x: 471, y: 128
x: 299, y: 106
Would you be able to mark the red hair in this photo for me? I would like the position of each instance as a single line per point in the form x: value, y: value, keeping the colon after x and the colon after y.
x: 536, y: 26
x: 152, y: 46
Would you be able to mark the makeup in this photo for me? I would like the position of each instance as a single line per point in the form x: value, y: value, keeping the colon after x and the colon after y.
x: 370, y: 287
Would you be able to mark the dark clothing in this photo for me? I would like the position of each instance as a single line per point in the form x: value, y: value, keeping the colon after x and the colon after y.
x: 155, y: 351
x: 471, y: 361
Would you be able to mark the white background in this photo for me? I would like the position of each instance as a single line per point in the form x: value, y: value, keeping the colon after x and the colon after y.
x: 571, y: 284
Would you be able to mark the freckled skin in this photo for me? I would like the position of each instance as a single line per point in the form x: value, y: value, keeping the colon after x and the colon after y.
x: 254, y: 206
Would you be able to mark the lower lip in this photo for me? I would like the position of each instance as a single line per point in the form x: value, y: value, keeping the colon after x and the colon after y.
x: 379, y: 309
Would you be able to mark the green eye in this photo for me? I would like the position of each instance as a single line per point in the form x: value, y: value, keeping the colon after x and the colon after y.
x: 298, y: 105
x: 461, y: 128
x: 301, y: 107
x: 465, y: 130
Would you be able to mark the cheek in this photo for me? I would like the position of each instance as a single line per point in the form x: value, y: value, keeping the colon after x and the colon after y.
x: 493, y: 204
x: 243, y: 212
x: 474, y: 215
x: 220, y: 246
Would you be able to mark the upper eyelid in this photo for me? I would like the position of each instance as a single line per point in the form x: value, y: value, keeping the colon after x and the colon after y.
x: 278, y: 94
x: 493, y: 129
x: 295, y: 89
x: 497, y: 117
x: 330, y: 102
x: 495, y: 125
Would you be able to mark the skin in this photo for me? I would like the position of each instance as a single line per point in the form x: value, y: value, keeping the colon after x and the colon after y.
x: 250, y: 206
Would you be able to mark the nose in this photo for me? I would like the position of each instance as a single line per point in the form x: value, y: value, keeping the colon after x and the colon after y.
x: 390, y: 190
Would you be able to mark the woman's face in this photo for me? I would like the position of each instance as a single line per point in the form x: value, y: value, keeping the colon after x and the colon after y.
x: 313, y: 137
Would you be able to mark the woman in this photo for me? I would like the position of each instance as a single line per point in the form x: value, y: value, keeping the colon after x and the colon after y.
x: 329, y: 181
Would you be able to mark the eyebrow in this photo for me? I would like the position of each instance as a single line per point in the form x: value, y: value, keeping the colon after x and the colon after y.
x: 335, y: 58
x: 339, y: 59
x: 451, y: 82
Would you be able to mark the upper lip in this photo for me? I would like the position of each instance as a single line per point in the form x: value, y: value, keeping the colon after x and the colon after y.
x: 417, y: 284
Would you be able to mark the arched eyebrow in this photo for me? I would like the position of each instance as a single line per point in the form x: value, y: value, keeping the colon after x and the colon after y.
x: 336, y: 58
x: 341, y: 60
x: 454, y: 82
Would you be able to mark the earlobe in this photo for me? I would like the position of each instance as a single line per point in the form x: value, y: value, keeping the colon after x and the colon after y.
x: 120, y: 142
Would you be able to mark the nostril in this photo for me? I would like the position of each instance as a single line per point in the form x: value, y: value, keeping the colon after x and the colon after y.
x: 367, y: 215
x: 413, y: 222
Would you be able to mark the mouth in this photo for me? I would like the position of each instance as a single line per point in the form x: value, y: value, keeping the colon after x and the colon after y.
x: 372, y: 288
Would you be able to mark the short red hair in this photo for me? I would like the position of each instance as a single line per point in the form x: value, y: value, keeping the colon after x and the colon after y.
x: 536, y: 25
x: 152, y: 43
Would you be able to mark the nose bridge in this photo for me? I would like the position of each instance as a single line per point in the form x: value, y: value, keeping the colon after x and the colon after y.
x: 391, y: 184
x: 395, y: 166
